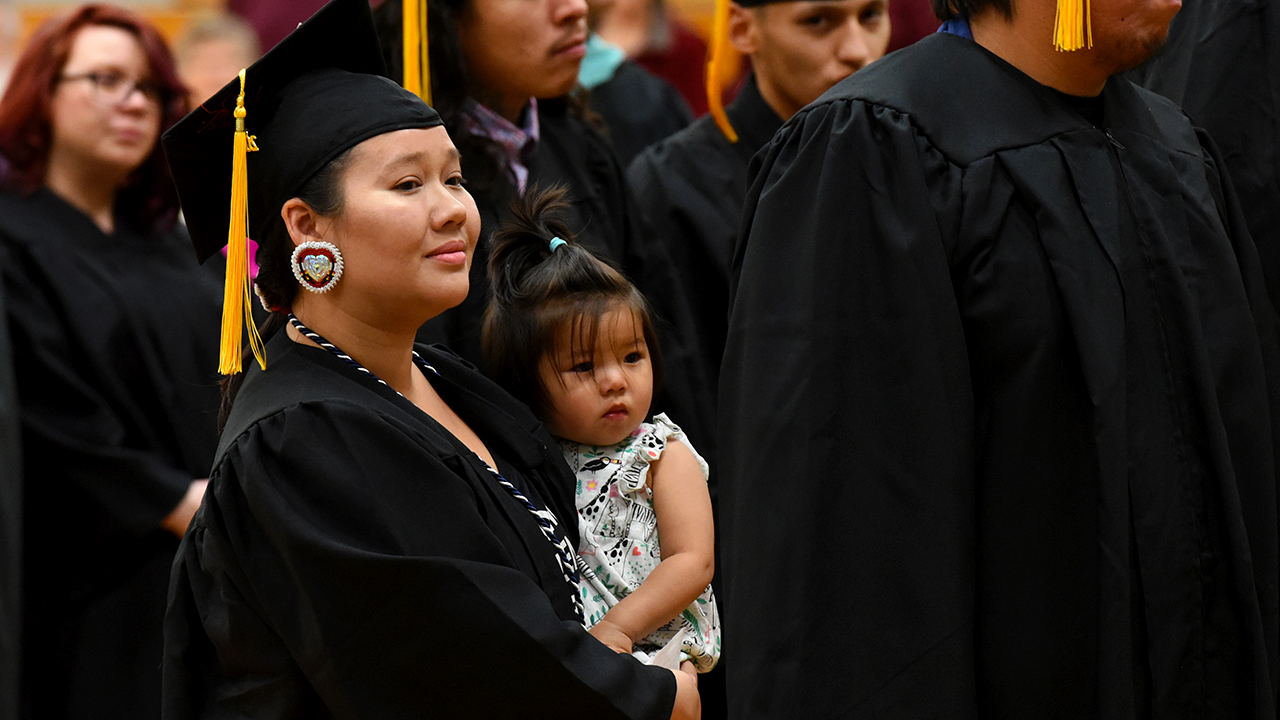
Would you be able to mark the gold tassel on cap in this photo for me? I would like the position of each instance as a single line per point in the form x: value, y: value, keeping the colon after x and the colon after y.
x: 417, y: 59
x: 1072, y: 29
x: 717, y: 57
x: 235, y: 299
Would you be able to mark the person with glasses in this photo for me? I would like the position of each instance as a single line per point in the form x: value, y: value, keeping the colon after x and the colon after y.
x: 113, y: 326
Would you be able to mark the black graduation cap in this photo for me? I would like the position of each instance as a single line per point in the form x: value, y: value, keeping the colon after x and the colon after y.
x: 320, y: 91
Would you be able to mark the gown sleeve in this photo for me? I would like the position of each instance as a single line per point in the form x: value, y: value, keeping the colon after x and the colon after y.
x: 338, y: 569
x: 10, y: 532
x: 84, y: 441
x: 1259, y: 502
x: 847, y: 429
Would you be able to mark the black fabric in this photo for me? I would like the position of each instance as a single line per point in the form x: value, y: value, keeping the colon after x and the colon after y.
x: 689, y: 190
x: 984, y: 362
x: 351, y: 561
x: 10, y: 526
x: 572, y: 154
x: 1090, y: 108
x: 115, y: 351
x: 1221, y: 63
x: 319, y: 92
x: 639, y: 109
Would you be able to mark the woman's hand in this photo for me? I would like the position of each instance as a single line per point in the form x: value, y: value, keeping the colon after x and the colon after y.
x: 177, y: 521
x: 610, y: 634
x: 688, y: 705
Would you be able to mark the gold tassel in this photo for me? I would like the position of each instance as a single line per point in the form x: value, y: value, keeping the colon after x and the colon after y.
x: 1072, y: 28
x: 417, y: 59
x: 235, y: 300
x: 717, y: 56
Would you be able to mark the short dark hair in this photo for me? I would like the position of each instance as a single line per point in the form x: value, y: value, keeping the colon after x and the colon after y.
x: 947, y: 9
x: 535, y: 292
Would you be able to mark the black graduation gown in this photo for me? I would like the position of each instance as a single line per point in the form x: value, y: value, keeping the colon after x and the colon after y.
x: 572, y: 154
x: 115, y: 356
x: 1221, y: 63
x: 639, y: 109
x: 689, y: 190
x: 10, y: 529
x: 997, y: 409
x: 353, y: 560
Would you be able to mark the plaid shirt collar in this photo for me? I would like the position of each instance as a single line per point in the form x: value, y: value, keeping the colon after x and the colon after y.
x: 518, y: 143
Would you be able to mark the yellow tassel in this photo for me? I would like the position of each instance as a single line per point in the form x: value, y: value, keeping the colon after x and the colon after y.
x: 717, y: 56
x: 1072, y: 28
x: 235, y: 300
x: 417, y: 59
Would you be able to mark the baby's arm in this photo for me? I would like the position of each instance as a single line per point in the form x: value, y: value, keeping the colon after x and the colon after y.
x: 685, y: 528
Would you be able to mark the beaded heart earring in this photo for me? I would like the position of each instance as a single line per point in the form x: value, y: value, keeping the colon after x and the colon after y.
x: 317, y: 266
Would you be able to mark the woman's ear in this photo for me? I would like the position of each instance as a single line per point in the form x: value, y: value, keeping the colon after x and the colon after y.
x: 301, y: 221
x: 743, y: 31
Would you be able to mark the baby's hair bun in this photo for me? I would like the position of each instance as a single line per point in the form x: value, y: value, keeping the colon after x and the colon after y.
x: 518, y: 247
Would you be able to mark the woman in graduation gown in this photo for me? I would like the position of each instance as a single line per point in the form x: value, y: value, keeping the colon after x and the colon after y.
x: 109, y: 318
x: 386, y: 534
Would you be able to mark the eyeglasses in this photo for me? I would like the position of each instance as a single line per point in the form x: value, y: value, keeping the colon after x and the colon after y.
x: 114, y: 88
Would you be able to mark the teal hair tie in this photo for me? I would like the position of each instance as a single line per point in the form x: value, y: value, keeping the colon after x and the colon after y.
x: 557, y: 242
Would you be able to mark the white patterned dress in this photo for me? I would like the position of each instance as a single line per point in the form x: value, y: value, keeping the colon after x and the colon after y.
x: 619, y: 545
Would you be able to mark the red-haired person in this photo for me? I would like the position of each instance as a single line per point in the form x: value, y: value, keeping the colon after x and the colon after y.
x: 113, y: 326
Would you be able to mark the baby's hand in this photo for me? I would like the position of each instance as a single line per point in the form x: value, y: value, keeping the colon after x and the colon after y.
x: 612, y: 635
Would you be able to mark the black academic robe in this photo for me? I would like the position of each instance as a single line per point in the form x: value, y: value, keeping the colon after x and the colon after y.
x: 572, y: 154
x: 638, y: 109
x: 1221, y: 63
x: 10, y: 530
x: 998, y: 409
x: 115, y: 356
x: 689, y: 190
x: 353, y: 560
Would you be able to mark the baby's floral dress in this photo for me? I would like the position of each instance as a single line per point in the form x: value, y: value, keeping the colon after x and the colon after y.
x: 619, y: 530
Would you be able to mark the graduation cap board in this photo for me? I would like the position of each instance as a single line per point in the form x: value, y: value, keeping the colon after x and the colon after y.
x: 242, y: 153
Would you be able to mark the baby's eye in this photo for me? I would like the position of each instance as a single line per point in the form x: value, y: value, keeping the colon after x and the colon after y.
x: 633, y: 358
x: 456, y: 181
x: 407, y: 185
x: 582, y: 367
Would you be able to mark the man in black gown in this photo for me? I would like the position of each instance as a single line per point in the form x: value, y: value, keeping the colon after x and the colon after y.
x: 998, y: 395
x: 690, y: 187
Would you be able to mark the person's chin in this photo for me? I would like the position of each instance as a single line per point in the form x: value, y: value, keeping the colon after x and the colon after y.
x: 449, y: 294
x: 560, y: 83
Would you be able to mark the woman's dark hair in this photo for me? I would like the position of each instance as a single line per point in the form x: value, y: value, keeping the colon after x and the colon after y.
x: 275, y: 285
x: 148, y: 199
x: 947, y: 9
x: 483, y: 160
x: 536, y: 292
